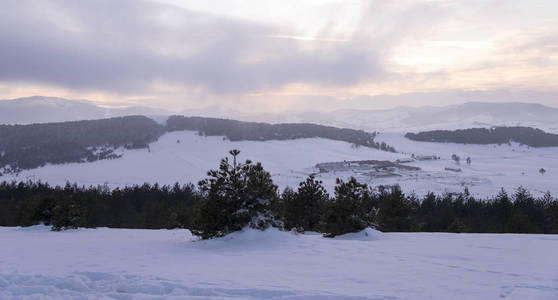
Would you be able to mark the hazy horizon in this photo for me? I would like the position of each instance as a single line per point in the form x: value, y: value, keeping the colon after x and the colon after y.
x: 326, y: 105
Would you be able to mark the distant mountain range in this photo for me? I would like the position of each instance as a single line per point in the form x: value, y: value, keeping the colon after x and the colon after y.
x: 39, y: 109
x: 403, y: 119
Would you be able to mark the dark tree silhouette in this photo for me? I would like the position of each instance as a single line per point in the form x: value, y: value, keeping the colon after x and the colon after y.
x: 455, y: 158
x: 234, y: 196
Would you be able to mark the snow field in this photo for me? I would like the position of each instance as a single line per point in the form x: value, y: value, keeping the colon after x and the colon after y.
x: 290, y: 162
x: 170, y: 264
x: 168, y: 161
x: 492, y: 167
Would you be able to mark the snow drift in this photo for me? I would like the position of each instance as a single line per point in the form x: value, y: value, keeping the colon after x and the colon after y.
x: 169, y: 264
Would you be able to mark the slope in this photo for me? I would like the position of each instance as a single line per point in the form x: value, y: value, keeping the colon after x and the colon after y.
x: 184, y: 156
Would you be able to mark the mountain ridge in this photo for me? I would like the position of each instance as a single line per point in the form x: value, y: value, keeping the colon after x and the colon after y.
x: 39, y: 109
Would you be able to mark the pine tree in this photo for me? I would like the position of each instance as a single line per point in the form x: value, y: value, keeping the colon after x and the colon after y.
x: 345, y: 213
x: 504, y: 208
x: 552, y: 207
x: 303, y: 209
x: 522, y: 206
x: 395, y: 211
x: 234, y: 196
x: 67, y: 214
x: 457, y: 226
x: 259, y: 194
x: 38, y: 209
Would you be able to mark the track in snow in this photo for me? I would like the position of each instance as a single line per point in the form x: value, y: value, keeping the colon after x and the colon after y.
x: 165, y: 264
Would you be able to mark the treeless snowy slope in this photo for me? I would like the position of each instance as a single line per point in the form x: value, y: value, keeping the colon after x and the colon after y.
x: 162, y: 264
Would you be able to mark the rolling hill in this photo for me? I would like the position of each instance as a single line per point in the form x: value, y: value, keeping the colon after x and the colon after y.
x: 40, y: 109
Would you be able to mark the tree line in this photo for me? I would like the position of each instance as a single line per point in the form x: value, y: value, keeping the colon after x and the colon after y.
x: 532, y: 137
x: 242, y: 194
x: 255, y: 131
x: 34, y: 145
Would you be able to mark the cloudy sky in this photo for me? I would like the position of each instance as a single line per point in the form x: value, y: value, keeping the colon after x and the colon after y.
x: 280, y: 55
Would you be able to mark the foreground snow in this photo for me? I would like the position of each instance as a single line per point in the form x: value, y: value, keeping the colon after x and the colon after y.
x: 162, y: 264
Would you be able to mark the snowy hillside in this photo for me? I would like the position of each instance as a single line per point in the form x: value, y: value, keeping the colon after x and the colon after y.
x: 402, y: 119
x: 492, y: 167
x: 183, y: 156
x: 167, y: 264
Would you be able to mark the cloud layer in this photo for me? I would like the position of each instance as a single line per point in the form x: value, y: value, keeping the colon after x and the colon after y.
x: 131, y: 46
x: 174, y: 52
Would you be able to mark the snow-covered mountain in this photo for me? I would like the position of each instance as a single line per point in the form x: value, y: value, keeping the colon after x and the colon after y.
x: 38, y: 109
x: 480, y: 114
x: 401, y: 119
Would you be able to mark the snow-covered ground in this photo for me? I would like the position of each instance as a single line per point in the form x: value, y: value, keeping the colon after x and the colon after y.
x: 188, y: 160
x: 289, y: 162
x: 492, y: 167
x: 169, y: 264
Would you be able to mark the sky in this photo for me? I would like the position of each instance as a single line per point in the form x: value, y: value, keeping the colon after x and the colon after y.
x: 280, y: 55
